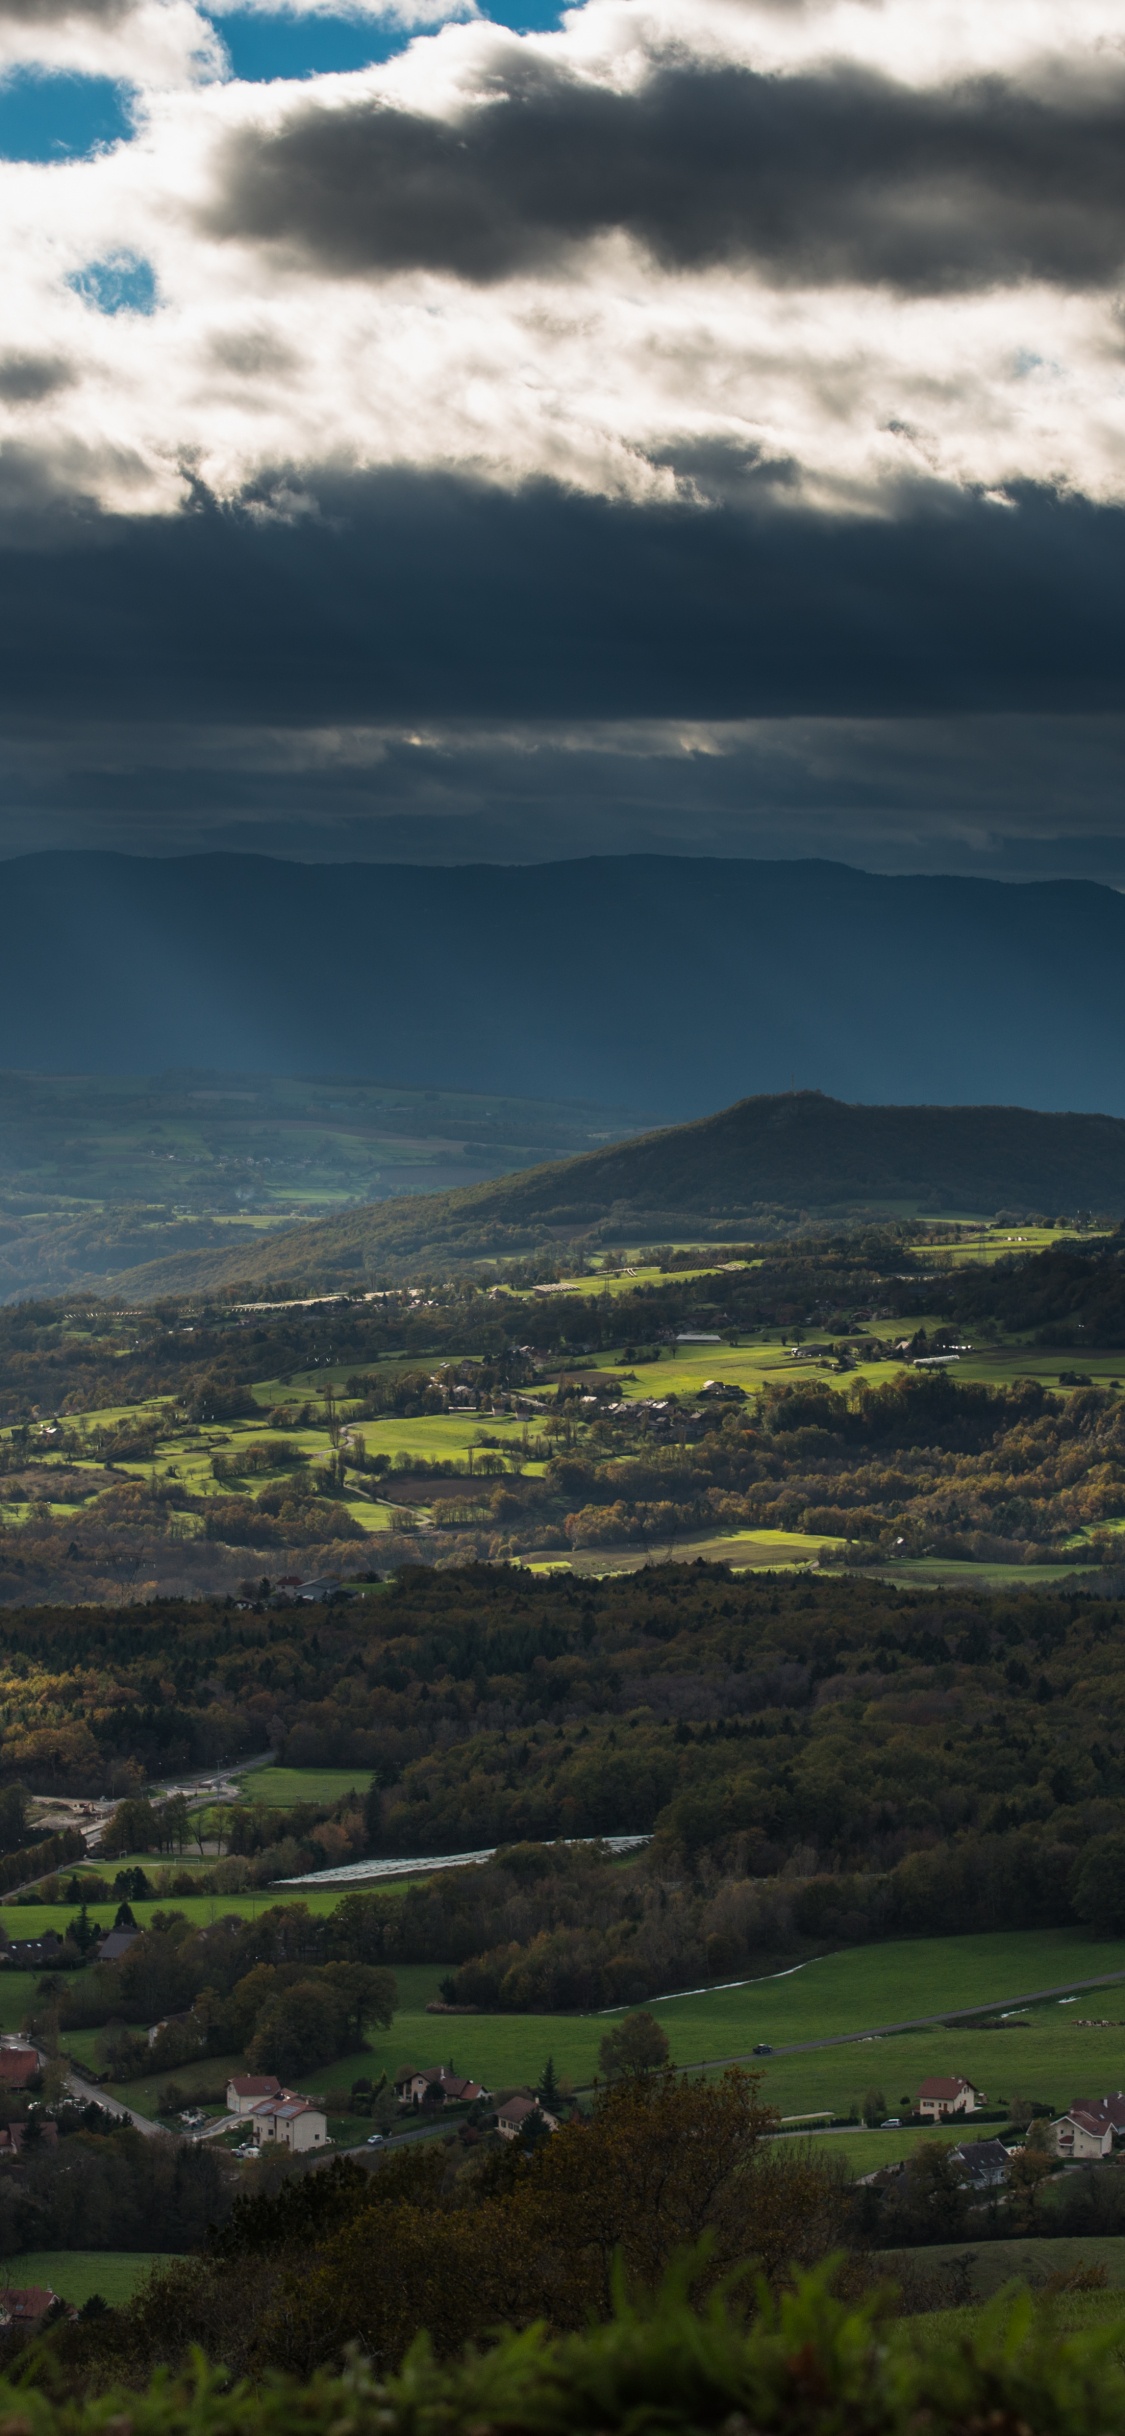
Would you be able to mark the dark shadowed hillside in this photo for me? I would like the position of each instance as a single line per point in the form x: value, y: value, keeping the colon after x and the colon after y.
x: 765, y: 1159
x: 662, y: 983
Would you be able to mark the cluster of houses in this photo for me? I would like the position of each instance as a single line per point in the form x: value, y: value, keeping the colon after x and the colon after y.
x: 1092, y: 2128
x: 279, y: 2117
x: 32, y: 1953
x: 437, y: 2085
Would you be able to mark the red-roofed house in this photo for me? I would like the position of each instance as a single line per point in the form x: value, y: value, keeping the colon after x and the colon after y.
x: 947, y: 2095
x: 1081, y: 2133
x: 28, y: 2304
x: 1108, y: 2110
x: 247, y: 2089
x: 18, y: 2066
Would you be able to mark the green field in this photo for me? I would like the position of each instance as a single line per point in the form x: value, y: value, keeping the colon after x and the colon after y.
x: 996, y: 2263
x: 76, y: 2274
x: 841, y: 1993
x: 282, y: 1788
x: 835, y: 1996
x: 746, y: 1551
x: 1070, y: 2313
x: 863, y: 2151
x: 33, y: 1919
x: 17, y: 1988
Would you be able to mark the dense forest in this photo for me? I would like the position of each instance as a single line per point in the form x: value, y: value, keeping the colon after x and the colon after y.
x: 825, y: 1762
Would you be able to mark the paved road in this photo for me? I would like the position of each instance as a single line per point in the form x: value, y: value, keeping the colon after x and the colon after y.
x: 85, y: 2090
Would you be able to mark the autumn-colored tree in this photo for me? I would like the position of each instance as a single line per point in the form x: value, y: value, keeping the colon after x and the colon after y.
x: 664, y: 2167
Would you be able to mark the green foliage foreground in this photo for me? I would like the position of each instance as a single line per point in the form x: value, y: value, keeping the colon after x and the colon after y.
x: 808, y: 2362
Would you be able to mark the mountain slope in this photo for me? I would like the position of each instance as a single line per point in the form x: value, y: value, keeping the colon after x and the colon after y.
x: 646, y: 981
x: 783, y: 1154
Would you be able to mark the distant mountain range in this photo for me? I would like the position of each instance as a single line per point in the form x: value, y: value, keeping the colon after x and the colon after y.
x: 760, y: 1165
x: 653, y: 982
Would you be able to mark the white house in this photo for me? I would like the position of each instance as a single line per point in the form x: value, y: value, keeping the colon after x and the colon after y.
x: 947, y: 2094
x: 1083, y: 2133
x: 248, y: 2089
x: 289, y: 2121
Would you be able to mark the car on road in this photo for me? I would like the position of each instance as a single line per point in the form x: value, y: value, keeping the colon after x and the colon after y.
x: 375, y: 2140
x: 763, y: 2049
x: 891, y: 2123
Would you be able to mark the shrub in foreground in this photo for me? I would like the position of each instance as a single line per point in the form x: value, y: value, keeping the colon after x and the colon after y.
x: 809, y: 2362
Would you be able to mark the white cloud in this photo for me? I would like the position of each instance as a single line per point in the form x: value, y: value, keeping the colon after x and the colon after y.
x: 605, y: 371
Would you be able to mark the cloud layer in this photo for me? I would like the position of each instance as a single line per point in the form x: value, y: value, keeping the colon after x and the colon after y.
x: 841, y: 178
x: 705, y: 360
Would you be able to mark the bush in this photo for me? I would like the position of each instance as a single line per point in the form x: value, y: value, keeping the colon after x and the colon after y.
x: 809, y: 2363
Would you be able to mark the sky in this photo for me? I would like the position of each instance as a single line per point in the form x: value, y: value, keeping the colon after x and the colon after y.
x: 440, y: 434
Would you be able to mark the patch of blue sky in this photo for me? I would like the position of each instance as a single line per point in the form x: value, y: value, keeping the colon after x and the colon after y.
x: 263, y: 44
x: 527, y: 16
x: 121, y: 283
x: 46, y: 116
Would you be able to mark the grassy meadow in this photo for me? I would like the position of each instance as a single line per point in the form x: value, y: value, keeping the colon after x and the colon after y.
x: 77, y: 2274
x: 996, y: 2263
x: 839, y: 1996
x: 276, y: 1788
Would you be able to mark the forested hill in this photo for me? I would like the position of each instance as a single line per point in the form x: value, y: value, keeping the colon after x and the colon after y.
x: 661, y: 982
x: 767, y: 1160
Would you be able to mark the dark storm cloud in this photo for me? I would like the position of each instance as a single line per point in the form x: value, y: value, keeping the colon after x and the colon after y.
x: 982, y: 644
x: 414, y: 596
x: 835, y: 176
